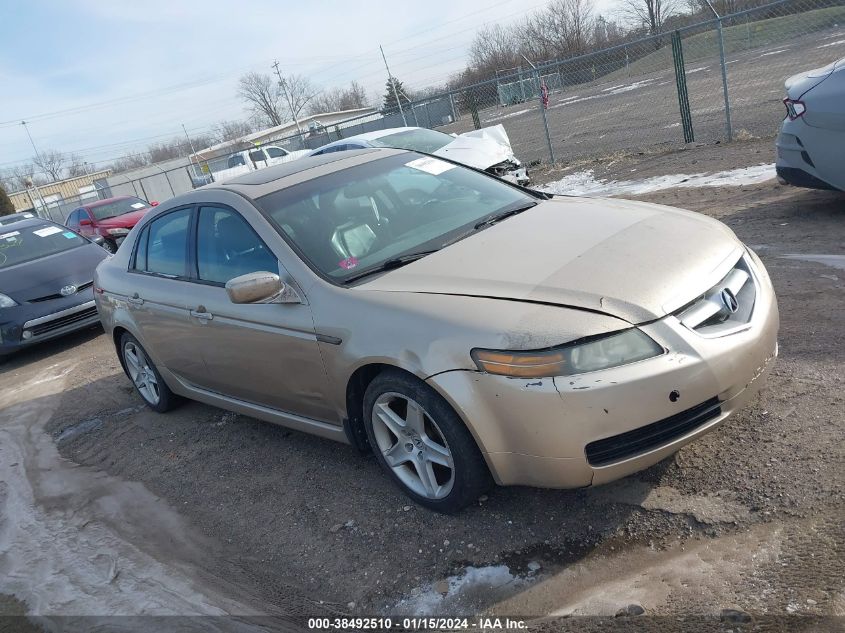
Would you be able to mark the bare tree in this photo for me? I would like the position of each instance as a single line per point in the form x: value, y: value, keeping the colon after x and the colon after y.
x: 75, y: 166
x: 339, y: 99
x: 261, y: 93
x: 231, y: 130
x: 51, y: 162
x: 494, y: 47
x: 298, y: 92
x: 131, y: 161
x: 20, y: 174
x: 651, y: 14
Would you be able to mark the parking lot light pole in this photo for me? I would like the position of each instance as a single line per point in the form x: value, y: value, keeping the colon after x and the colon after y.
x: 728, y: 126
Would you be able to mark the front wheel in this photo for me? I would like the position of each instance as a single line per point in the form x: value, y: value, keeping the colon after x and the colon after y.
x: 144, y: 375
x: 422, y: 443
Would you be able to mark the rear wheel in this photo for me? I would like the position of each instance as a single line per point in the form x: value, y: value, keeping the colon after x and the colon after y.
x: 144, y: 375
x: 422, y: 443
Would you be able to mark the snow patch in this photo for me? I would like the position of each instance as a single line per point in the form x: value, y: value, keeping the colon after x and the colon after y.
x: 471, y: 591
x: 836, y: 43
x: 629, y: 87
x: 584, y: 183
x: 782, y: 50
x: 695, y: 70
x: 507, y: 116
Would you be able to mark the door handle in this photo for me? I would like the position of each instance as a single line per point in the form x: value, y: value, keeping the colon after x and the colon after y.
x: 201, y: 314
x: 135, y: 300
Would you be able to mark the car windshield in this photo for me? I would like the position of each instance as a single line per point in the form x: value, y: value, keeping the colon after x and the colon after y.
x: 118, y: 207
x: 359, y: 218
x: 34, y: 242
x: 418, y: 140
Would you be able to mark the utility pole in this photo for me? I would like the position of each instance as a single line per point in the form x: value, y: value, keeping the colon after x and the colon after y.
x: 393, y: 85
x: 38, y: 156
x: 284, y: 88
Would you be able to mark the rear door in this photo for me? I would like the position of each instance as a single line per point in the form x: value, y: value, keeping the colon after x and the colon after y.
x: 265, y: 354
x: 158, y: 302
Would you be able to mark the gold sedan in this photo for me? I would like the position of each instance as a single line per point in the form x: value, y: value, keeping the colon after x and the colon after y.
x: 465, y: 330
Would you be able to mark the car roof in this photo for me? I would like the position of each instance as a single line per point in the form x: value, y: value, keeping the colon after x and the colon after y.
x: 99, y: 203
x: 368, y: 136
x: 269, y: 179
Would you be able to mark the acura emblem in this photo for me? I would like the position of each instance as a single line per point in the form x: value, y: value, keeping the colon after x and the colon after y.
x: 729, y: 300
x: 68, y: 291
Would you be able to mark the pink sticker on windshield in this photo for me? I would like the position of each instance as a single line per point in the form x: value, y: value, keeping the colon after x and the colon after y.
x: 349, y: 263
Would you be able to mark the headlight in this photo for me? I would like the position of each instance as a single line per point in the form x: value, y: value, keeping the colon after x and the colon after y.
x: 117, y: 232
x: 6, y: 301
x: 591, y: 354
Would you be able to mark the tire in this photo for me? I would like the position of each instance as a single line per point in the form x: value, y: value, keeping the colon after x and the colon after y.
x: 145, y: 377
x: 110, y: 246
x: 415, y: 436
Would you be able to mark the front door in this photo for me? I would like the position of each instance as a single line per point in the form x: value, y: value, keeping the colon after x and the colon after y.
x: 265, y: 354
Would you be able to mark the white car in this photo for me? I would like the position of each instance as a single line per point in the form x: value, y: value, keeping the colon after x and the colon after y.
x: 488, y: 149
x: 241, y: 163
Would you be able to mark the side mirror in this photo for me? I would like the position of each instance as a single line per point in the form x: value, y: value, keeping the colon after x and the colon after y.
x: 85, y: 222
x: 260, y: 287
x: 99, y: 240
x: 154, y: 203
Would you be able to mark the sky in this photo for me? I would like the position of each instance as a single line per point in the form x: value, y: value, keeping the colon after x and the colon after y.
x: 103, y: 78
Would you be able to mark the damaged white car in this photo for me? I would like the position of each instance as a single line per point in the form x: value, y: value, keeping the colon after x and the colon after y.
x: 488, y: 149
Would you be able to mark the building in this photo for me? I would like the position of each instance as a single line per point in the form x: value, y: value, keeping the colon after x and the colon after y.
x: 61, y: 193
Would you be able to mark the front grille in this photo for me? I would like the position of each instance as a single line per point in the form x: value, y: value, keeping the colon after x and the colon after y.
x: 58, y: 295
x: 711, y: 314
x: 654, y: 435
x: 64, y: 321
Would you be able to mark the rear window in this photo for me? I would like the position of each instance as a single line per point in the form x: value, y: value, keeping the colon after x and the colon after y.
x: 21, y: 245
x: 419, y: 140
x: 118, y: 207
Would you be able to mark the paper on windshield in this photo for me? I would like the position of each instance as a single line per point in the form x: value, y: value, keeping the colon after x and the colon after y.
x: 50, y: 230
x: 138, y: 205
x: 430, y: 165
x: 9, y: 236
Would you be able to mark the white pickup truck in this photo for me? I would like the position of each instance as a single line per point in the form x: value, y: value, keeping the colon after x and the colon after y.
x: 246, y: 161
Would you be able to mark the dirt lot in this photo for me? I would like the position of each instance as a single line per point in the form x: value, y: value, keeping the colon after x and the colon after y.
x: 106, y: 507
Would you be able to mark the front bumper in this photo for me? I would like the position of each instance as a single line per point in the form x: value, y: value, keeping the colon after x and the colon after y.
x: 536, y: 432
x: 32, y: 328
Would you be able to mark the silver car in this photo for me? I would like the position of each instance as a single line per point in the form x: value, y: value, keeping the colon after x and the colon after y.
x: 811, y: 143
x: 465, y: 330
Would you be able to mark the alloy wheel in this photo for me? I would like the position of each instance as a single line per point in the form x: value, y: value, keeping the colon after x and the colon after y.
x: 141, y: 373
x: 413, y: 445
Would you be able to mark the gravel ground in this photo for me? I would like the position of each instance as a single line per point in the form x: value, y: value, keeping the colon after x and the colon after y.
x: 746, y: 518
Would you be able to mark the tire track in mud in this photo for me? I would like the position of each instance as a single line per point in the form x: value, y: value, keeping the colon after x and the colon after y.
x: 75, y: 541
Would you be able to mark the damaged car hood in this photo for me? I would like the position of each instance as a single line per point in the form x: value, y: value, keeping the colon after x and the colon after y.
x: 480, y: 148
x: 632, y: 260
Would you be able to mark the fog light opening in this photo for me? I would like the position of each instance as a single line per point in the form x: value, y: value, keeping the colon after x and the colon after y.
x: 27, y: 335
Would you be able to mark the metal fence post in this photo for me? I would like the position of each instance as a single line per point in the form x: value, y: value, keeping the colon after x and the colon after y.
x: 681, y: 81
x: 452, y: 104
x: 545, y: 118
x: 728, y: 128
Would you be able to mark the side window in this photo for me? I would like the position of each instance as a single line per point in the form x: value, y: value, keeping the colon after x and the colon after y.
x: 276, y: 152
x: 167, y: 243
x: 73, y: 219
x: 257, y: 155
x: 228, y: 247
x: 236, y: 160
x: 141, y: 250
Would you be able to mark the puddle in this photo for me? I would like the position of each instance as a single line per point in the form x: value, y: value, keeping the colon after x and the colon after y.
x: 834, y: 261
x: 584, y: 183
x: 75, y: 541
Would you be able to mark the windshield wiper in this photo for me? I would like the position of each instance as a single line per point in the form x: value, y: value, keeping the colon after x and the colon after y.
x: 493, y: 219
x: 390, y: 264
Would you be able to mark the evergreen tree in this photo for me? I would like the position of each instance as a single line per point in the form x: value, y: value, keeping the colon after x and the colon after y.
x: 390, y: 95
x: 6, y: 206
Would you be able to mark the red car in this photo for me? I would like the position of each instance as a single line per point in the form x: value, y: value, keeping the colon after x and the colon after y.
x: 111, y: 218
